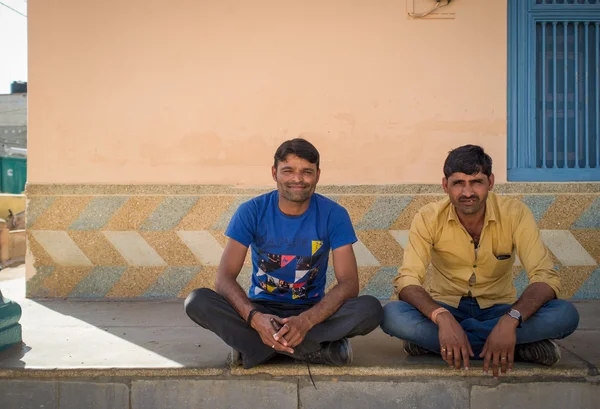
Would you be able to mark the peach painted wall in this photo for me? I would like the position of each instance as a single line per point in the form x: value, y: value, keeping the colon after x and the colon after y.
x: 203, y: 91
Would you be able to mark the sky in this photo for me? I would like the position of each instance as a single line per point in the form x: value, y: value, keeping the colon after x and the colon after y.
x: 13, y: 44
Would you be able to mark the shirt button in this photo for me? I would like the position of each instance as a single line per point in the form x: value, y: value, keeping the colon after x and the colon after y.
x: 474, y: 265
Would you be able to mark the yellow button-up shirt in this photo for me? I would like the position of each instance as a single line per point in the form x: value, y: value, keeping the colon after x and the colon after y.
x: 437, y: 236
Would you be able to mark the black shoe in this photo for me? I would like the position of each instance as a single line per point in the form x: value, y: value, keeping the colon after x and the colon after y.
x: 337, y: 353
x: 414, y: 349
x: 544, y: 352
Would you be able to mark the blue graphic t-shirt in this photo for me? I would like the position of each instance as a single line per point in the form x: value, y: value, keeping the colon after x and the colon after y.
x: 290, y: 253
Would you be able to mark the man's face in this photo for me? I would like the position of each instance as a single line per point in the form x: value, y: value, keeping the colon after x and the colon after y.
x: 296, y: 178
x: 468, y: 193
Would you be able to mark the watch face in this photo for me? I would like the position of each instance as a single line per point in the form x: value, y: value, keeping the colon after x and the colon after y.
x: 515, y: 314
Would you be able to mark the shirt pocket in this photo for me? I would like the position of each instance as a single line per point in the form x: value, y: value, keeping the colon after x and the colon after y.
x: 501, y: 263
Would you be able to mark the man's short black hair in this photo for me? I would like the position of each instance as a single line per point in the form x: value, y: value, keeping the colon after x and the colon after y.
x: 468, y: 159
x: 299, y: 147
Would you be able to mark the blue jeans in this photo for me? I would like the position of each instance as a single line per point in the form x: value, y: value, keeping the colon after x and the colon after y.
x: 554, y: 320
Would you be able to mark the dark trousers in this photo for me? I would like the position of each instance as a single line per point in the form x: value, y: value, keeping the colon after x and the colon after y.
x: 357, y: 316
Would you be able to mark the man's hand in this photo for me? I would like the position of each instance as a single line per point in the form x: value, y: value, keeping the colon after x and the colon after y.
x: 262, y: 324
x: 453, y: 341
x: 500, y: 346
x: 294, y: 329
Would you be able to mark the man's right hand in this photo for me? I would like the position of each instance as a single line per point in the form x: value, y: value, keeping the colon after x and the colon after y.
x: 454, y: 343
x: 262, y: 324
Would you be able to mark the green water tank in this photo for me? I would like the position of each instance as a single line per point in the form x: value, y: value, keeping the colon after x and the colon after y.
x: 14, y: 175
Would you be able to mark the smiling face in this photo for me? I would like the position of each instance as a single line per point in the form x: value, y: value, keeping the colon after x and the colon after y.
x: 468, y: 193
x: 296, y: 179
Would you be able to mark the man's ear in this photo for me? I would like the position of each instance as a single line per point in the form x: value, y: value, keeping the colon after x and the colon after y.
x: 274, y: 173
x: 491, y: 181
x: 445, y: 184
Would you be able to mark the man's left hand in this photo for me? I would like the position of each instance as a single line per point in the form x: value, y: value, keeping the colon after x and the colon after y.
x: 294, y: 329
x: 499, y: 348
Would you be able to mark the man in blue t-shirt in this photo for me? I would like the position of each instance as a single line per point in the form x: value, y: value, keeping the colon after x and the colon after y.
x: 291, y: 232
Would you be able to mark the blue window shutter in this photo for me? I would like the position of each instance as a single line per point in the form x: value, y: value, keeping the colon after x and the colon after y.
x: 554, y: 90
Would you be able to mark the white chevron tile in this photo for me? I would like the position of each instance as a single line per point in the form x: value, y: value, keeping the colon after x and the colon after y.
x: 134, y: 249
x: 204, y: 246
x: 61, y: 248
x: 566, y: 248
x: 363, y: 255
x: 401, y: 237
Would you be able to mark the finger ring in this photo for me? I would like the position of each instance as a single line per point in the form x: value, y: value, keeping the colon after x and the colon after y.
x: 273, y: 346
x: 449, y: 352
x: 443, y: 349
x: 503, y: 358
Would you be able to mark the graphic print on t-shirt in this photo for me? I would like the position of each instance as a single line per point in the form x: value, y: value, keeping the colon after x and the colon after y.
x: 280, y: 274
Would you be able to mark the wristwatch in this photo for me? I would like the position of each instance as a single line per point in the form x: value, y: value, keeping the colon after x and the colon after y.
x: 516, y: 315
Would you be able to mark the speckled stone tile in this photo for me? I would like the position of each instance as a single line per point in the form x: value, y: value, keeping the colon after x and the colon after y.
x: 565, y: 210
x: 380, y: 285
x: 204, y: 246
x: 61, y: 248
x: 169, y: 213
x: 571, y: 279
x: 35, y: 285
x: 61, y: 213
x: 63, y: 280
x: 590, y: 219
x: 97, y: 248
x: 405, y: 219
x: 383, y: 212
x: 224, y: 218
x: 222, y: 239
x: 538, y: 205
x: 590, y: 240
x: 134, y: 249
x: 135, y: 281
x: 205, y: 212
x: 566, y: 248
x: 357, y: 206
x: 590, y: 289
x: 204, y: 279
x: 170, y: 248
x: 36, y: 206
x: 40, y: 256
x: 383, y: 246
x: 172, y: 281
x: 330, y: 275
x: 244, y: 279
x: 363, y: 255
x: 133, y: 213
x: 521, y: 282
x: 98, y: 282
x: 365, y: 274
x: 98, y: 212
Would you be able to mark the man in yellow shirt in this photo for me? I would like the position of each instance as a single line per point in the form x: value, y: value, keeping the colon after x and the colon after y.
x: 471, y: 309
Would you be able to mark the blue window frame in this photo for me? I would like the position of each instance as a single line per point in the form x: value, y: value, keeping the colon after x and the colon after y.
x: 554, y: 90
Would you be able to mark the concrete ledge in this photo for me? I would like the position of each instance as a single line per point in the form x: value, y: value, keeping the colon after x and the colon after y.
x: 293, y: 393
